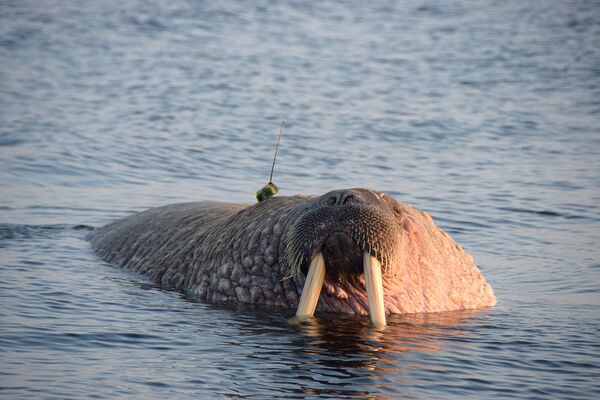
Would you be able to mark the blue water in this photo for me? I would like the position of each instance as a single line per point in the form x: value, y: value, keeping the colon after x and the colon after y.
x: 485, y: 114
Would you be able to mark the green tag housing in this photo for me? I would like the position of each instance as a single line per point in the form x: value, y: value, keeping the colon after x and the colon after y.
x: 268, y: 191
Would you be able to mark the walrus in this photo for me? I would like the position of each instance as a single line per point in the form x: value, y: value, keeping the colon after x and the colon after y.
x: 355, y: 251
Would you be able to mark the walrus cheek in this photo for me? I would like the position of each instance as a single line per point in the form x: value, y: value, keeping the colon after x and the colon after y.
x: 373, y: 283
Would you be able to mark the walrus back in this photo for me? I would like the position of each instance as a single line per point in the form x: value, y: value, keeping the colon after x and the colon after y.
x: 161, y: 242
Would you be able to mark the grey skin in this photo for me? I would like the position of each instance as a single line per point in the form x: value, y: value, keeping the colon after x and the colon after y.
x: 259, y: 254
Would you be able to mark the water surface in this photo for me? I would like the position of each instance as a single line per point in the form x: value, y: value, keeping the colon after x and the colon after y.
x: 487, y: 117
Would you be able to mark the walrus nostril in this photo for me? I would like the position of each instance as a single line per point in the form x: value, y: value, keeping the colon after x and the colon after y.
x: 350, y: 198
x: 341, y: 198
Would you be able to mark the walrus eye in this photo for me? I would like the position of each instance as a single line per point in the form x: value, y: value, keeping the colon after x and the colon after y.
x: 397, y: 209
x: 331, y: 201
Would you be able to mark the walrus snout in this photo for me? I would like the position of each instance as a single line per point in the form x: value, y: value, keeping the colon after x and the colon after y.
x: 344, y: 236
x: 344, y: 224
x: 342, y: 255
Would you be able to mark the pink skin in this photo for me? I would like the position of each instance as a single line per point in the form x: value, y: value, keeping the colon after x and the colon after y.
x: 430, y: 273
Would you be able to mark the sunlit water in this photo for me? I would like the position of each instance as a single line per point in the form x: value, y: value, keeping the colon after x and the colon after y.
x: 485, y: 114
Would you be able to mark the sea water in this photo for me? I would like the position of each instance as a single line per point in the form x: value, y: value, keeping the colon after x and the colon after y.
x: 485, y: 114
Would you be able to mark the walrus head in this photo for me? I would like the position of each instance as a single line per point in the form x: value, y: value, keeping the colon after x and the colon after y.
x: 344, y: 224
x: 341, y: 237
x: 373, y: 254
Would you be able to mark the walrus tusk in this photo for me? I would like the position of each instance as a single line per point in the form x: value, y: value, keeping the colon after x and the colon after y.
x: 374, y: 287
x: 312, y: 287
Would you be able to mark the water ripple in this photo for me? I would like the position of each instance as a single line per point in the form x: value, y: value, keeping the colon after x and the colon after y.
x: 486, y: 117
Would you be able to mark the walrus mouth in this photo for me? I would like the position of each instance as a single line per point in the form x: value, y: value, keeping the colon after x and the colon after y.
x: 373, y: 284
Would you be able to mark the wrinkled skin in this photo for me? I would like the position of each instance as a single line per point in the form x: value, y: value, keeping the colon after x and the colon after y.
x: 259, y: 254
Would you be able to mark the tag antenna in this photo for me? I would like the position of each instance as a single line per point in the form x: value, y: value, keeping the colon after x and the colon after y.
x: 276, y: 150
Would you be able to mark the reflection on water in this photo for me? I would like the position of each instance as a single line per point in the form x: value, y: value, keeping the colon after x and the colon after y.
x: 347, y: 357
x: 419, y: 332
x: 353, y: 350
x: 487, y: 117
